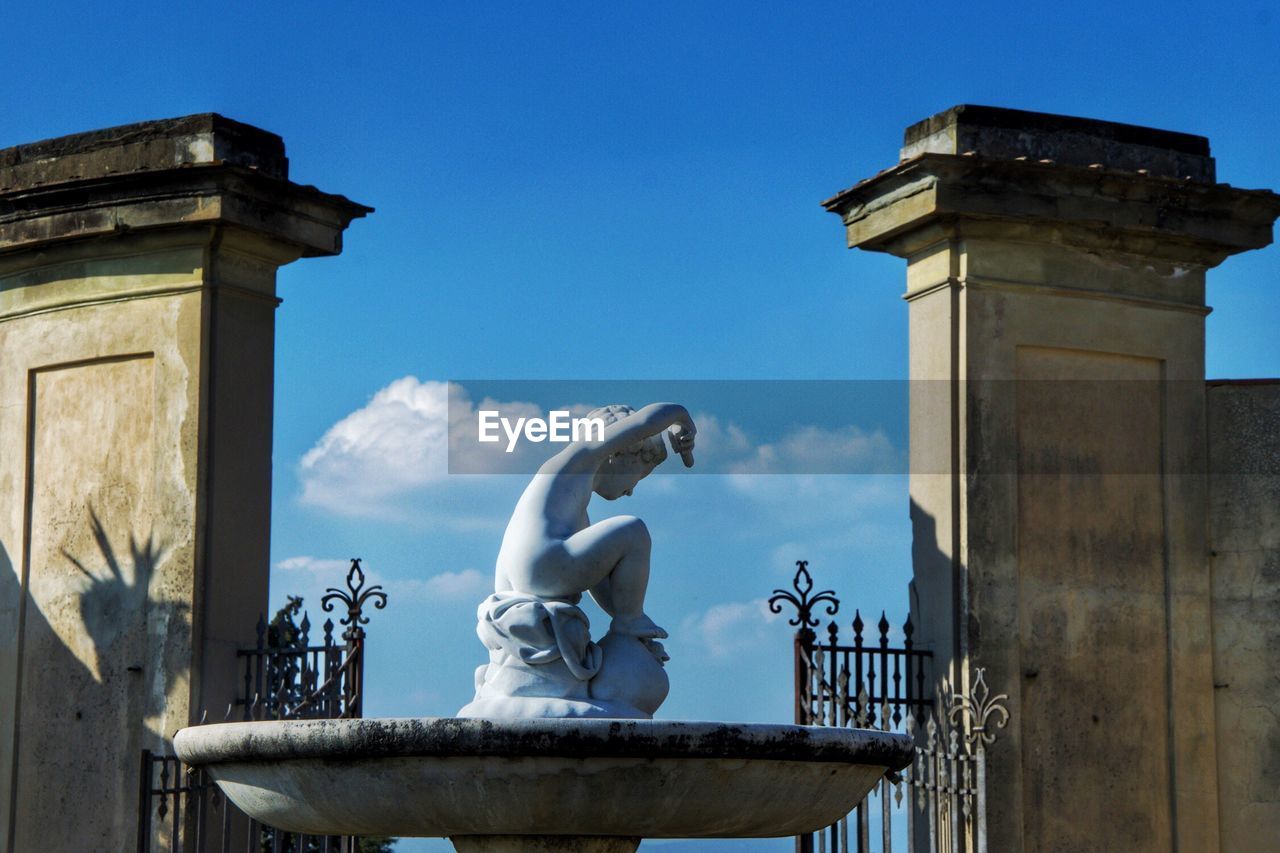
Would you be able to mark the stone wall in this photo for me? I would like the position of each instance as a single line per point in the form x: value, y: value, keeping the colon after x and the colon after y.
x: 1244, y: 500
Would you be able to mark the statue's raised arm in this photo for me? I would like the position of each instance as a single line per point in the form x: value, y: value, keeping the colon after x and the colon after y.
x: 629, y: 432
x: 651, y: 420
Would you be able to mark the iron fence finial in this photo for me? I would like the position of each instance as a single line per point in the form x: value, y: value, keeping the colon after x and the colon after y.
x: 802, y: 584
x: 355, y: 596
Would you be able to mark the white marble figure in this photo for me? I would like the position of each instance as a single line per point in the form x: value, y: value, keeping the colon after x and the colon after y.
x: 542, y: 662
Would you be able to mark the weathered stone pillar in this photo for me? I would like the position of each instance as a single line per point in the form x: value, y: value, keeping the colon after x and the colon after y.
x: 1056, y: 289
x: 137, y: 300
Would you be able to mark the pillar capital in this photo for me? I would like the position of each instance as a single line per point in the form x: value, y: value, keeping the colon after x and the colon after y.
x: 189, y: 172
x: 1100, y: 186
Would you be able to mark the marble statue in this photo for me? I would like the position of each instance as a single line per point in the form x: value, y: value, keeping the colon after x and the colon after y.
x: 542, y: 660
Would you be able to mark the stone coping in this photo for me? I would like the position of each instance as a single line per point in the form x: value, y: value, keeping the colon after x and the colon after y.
x: 148, y: 146
x: 191, y: 172
x: 1001, y: 133
x: 1028, y: 121
x: 222, y: 743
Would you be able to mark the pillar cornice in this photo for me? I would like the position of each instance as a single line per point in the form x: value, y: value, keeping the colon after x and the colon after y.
x: 195, y: 171
x: 936, y: 196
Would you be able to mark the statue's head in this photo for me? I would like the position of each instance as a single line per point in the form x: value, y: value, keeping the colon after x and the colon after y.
x: 620, y: 473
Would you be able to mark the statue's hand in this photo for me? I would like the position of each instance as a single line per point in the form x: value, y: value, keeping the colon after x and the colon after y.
x: 681, y: 437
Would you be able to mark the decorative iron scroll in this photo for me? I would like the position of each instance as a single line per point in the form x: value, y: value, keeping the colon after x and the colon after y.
x: 976, y: 711
x: 802, y: 584
x: 354, y: 598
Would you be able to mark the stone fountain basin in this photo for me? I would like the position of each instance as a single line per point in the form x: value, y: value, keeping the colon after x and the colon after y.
x: 602, y: 777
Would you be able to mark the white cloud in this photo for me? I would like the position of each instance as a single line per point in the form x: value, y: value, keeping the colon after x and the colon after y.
x: 719, y: 442
x: 395, y: 444
x: 732, y: 628
x: 803, y: 501
x: 311, y: 577
x: 819, y: 450
x: 399, y: 445
x: 466, y: 585
x: 335, y: 568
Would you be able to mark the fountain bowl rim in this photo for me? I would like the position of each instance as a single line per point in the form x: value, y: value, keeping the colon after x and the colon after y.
x: 281, y: 740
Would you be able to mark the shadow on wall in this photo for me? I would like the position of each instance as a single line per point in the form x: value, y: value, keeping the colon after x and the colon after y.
x: 93, y: 648
x: 119, y: 633
x: 98, y: 655
x: 38, y: 728
x: 930, y: 589
x: 24, y: 626
x: 121, y: 616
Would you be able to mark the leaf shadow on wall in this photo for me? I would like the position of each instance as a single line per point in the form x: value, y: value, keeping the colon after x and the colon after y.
x: 137, y: 638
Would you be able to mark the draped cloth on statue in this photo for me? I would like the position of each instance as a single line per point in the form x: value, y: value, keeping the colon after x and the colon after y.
x: 541, y: 661
x: 538, y: 631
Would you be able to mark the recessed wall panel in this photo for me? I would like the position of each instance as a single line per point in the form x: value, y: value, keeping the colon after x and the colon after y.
x: 1092, y: 609
x: 87, y: 568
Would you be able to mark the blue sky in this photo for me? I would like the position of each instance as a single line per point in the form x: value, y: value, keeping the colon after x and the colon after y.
x: 619, y: 191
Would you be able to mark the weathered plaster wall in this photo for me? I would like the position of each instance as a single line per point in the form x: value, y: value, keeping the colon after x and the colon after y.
x: 1092, y: 617
x: 1244, y: 502
x: 99, y: 401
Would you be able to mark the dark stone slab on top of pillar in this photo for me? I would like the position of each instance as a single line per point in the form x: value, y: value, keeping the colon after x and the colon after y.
x: 195, y: 171
x: 202, y: 139
x: 999, y: 133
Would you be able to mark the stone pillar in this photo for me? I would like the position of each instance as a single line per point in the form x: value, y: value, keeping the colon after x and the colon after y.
x: 1056, y: 290
x: 137, y: 302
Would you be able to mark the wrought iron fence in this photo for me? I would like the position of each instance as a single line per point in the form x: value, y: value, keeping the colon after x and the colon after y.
x: 285, y: 677
x: 838, y: 683
x: 183, y: 810
x: 938, y: 803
